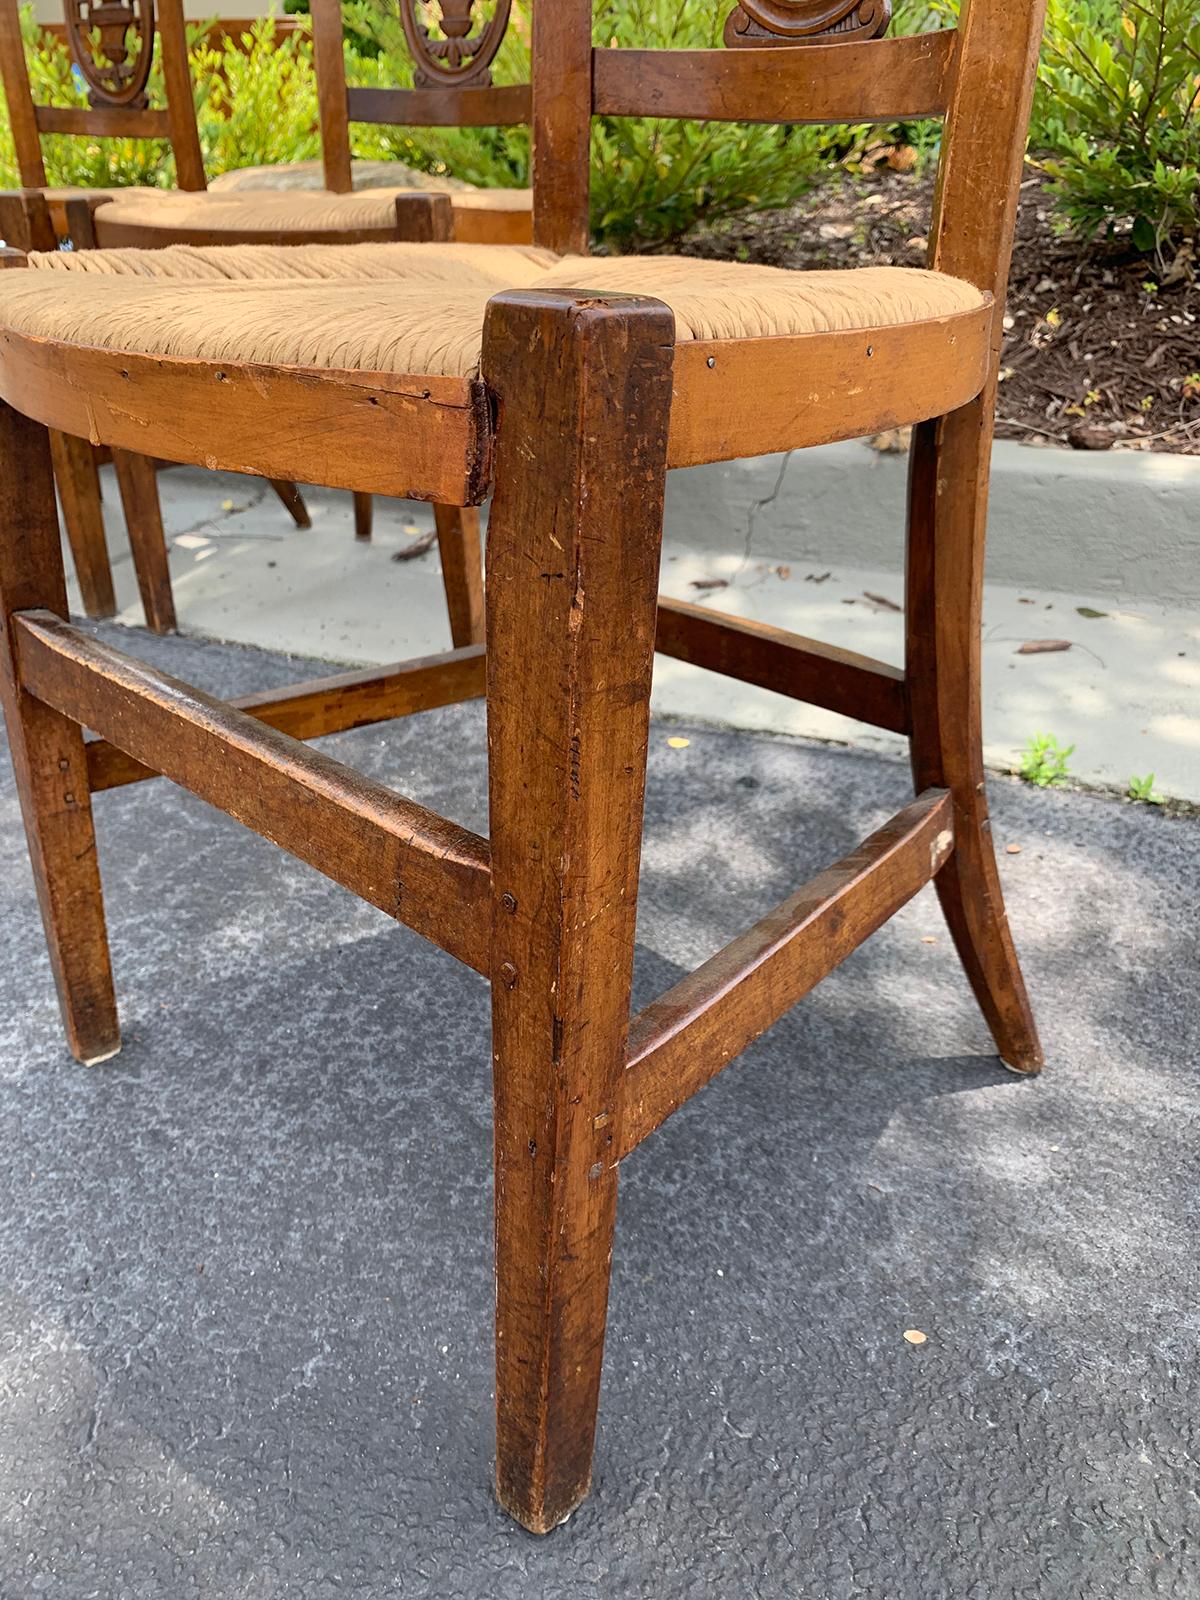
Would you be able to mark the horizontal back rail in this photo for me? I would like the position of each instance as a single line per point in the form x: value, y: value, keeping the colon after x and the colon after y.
x: 103, y: 122
x: 329, y: 705
x: 880, y: 80
x: 494, y: 106
x: 421, y: 869
x: 682, y: 1040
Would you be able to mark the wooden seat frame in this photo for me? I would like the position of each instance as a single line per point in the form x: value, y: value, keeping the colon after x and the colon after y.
x: 584, y: 402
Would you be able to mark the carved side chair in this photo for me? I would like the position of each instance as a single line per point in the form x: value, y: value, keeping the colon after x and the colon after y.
x: 38, y: 216
x: 454, y: 89
x: 568, y: 392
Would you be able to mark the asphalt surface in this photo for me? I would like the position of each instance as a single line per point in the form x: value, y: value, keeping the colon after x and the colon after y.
x: 245, y: 1268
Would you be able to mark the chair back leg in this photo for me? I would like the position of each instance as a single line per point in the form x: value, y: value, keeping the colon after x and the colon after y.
x: 292, y: 500
x: 948, y: 493
x: 460, y: 547
x: 137, y: 479
x: 364, y: 515
x: 48, y: 751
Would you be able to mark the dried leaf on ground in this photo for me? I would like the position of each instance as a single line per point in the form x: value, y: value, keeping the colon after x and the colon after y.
x: 892, y: 441
x: 410, y: 552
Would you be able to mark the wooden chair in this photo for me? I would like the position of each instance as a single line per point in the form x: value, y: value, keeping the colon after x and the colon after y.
x: 453, y: 88
x: 568, y: 395
x: 36, y: 217
x: 451, y: 95
x: 155, y: 218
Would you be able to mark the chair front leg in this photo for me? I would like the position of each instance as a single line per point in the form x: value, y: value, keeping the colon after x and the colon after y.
x: 364, y: 515
x: 292, y: 501
x: 461, y: 551
x: 47, y: 751
x: 583, y: 389
x: 137, y: 479
x: 948, y: 493
x: 83, y: 516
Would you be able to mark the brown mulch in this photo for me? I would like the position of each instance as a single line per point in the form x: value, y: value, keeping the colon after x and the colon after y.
x: 1103, y: 344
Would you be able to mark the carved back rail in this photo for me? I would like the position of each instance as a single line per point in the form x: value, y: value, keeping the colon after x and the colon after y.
x: 112, y: 46
x: 784, y: 22
x: 453, y: 44
x: 796, y: 61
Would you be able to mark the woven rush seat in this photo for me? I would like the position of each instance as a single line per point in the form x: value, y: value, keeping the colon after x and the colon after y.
x: 58, y: 198
x: 419, y: 309
x: 137, y: 215
x: 75, y: 191
x: 310, y: 175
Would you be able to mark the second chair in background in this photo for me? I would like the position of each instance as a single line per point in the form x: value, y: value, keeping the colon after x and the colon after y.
x: 447, y: 93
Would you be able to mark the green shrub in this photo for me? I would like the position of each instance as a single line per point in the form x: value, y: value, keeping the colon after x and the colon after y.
x: 653, y: 179
x: 93, y: 163
x: 256, y: 98
x: 1118, y: 115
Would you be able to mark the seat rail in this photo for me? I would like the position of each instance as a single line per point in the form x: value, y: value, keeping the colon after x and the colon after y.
x: 420, y: 438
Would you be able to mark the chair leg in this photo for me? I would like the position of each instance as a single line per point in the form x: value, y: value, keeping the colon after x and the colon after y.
x: 293, y: 501
x: 583, y: 389
x: 462, y: 571
x: 948, y: 491
x: 47, y: 751
x: 83, y: 516
x: 364, y: 510
x: 137, y: 479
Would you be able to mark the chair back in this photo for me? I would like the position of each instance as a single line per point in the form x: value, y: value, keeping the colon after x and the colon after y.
x: 453, y: 47
x: 806, y: 61
x: 111, y: 44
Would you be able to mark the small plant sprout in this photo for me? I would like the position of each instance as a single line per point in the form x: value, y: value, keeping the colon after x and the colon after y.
x: 1142, y: 791
x: 1044, y: 761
